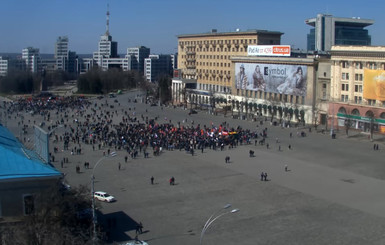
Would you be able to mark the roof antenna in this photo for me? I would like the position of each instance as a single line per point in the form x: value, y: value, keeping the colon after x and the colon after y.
x: 108, y: 20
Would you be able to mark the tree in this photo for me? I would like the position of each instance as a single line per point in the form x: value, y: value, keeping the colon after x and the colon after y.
x: 164, y: 88
x: 58, y: 220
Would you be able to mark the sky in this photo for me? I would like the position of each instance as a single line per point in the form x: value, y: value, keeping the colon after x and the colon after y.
x: 157, y: 23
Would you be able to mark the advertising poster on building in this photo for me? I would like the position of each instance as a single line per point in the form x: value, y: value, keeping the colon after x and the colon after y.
x: 374, y: 84
x: 272, y: 78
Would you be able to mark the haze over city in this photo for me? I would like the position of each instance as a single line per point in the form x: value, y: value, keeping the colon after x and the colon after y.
x: 156, y: 24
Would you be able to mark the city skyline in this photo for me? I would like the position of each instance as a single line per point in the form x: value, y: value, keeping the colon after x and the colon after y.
x: 156, y: 24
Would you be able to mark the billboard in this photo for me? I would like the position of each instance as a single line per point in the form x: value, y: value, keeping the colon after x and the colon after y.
x: 268, y: 50
x: 374, y: 84
x: 271, y: 78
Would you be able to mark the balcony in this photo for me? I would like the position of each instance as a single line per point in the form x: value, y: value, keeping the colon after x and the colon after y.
x: 189, y: 52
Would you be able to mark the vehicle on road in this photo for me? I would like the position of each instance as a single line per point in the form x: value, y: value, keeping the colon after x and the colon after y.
x: 103, y: 196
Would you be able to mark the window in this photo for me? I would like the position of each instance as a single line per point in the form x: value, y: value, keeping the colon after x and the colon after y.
x: 345, y: 87
x: 358, y: 65
x: 345, y: 64
x: 357, y: 99
x: 358, y: 77
x: 371, y: 102
x: 345, y: 76
x: 29, y: 204
x: 344, y: 98
x: 358, y: 88
x: 372, y: 65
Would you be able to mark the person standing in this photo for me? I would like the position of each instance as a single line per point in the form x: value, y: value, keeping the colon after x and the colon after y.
x: 152, y: 180
x: 262, y: 176
x: 119, y: 166
x: 265, y: 176
x: 286, y: 168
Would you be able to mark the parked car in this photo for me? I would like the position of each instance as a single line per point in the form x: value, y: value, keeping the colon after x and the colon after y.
x: 193, y: 111
x: 103, y: 196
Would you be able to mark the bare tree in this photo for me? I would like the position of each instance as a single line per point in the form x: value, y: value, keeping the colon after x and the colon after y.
x: 55, y: 220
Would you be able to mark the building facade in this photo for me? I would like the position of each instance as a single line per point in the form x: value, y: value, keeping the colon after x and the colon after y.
x: 329, y: 31
x: 138, y: 55
x: 204, y: 59
x: 32, y: 59
x: 156, y: 66
x: 357, y: 95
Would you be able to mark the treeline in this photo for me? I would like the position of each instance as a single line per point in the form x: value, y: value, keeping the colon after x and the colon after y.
x: 98, y: 82
x: 19, y: 82
x: 24, y: 82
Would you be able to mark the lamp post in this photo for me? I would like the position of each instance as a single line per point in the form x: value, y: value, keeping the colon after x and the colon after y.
x: 94, y: 221
x: 214, y: 217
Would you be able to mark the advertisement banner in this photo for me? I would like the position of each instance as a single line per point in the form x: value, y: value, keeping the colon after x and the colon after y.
x: 272, y: 78
x: 374, y: 84
x: 268, y: 50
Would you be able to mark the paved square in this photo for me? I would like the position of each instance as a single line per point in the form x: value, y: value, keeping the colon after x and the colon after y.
x: 333, y: 192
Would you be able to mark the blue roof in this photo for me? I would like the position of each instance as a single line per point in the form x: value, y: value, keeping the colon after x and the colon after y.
x: 18, y: 162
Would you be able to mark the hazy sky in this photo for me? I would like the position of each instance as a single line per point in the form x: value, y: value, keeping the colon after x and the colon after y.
x: 156, y: 23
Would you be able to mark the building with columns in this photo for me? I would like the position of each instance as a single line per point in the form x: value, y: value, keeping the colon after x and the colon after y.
x: 357, y: 95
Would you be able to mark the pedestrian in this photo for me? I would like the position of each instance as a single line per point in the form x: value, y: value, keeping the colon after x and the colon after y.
x: 119, y: 166
x: 140, y: 227
x: 126, y: 158
x: 265, y: 177
x: 152, y: 180
x: 374, y: 147
x: 262, y: 175
x: 61, y: 163
x: 267, y: 145
x: 377, y: 147
x: 289, y: 147
x: 279, y: 148
x: 286, y: 168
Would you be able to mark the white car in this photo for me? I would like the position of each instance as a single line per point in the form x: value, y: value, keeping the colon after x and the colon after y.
x: 103, y: 196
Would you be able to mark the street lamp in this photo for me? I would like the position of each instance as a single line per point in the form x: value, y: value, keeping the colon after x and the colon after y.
x: 214, y: 217
x: 94, y: 221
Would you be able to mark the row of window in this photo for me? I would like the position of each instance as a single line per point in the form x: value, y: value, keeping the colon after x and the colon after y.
x: 219, y: 49
x: 357, y: 88
x: 234, y: 41
x: 346, y: 76
x: 358, y: 100
x: 359, y: 65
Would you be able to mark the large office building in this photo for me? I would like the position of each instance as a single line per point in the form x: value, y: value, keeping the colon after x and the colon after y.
x: 357, y: 95
x: 329, y: 30
x: 251, y: 75
x: 107, y: 49
x: 138, y: 55
x: 32, y: 59
x: 157, y: 65
x: 204, y: 60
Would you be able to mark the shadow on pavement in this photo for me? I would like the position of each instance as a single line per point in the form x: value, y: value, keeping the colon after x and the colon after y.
x: 116, y: 225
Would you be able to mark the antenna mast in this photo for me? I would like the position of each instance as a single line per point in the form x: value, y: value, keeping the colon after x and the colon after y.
x: 108, y: 21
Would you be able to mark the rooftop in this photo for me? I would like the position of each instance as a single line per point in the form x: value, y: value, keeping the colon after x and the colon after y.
x: 19, y: 162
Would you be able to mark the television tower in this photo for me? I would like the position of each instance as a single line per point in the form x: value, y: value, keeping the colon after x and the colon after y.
x: 108, y: 21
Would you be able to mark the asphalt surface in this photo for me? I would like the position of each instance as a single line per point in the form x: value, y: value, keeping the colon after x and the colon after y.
x: 332, y: 192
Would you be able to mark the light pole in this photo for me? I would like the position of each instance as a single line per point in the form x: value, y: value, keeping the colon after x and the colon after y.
x: 94, y: 221
x: 214, y: 217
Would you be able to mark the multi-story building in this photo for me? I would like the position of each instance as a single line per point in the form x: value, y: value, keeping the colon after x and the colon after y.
x: 357, y: 95
x: 61, y: 47
x: 3, y: 66
x: 107, y: 49
x: 31, y: 56
x: 156, y: 66
x: 329, y: 31
x: 138, y: 55
x: 204, y: 59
